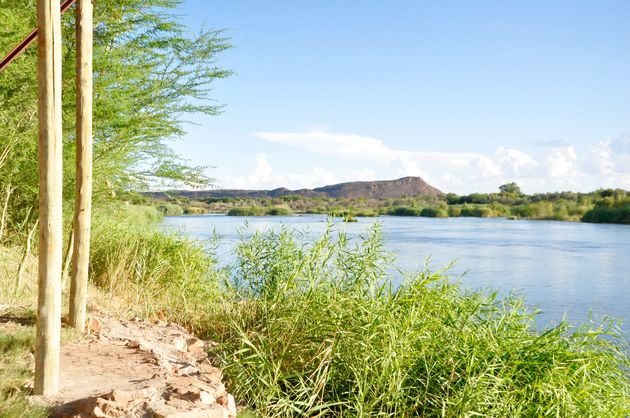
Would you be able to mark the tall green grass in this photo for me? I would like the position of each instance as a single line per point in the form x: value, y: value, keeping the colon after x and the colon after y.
x: 161, y: 274
x: 318, y: 329
x: 16, y: 361
x: 17, y: 345
x: 280, y: 210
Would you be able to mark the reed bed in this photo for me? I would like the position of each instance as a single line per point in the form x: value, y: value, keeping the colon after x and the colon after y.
x: 319, y: 329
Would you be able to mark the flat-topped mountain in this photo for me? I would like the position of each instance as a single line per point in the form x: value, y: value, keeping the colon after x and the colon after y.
x: 406, y: 186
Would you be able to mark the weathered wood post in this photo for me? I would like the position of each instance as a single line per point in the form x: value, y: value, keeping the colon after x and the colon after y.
x: 83, y: 194
x: 50, y: 209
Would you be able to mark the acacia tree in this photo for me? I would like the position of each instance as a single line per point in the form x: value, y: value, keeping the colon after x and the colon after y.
x: 510, y: 188
x: 150, y: 73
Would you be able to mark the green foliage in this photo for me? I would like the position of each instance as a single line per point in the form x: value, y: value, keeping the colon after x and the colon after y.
x: 404, y: 211
x: 150, y: 74
x: 247, y: 211
x: 138, y: 213
x: 510, y: 188
x: 160, y: 274
x: 318, y: 330
x: 194, y: 210
x: 17, y: 344
x: 477, y: 211
x: 15, y: 370
x: 610, y: 205
x: 435, y: 212
x: 282, y: 210
x: 170, y: 209
x: 509, y: 203
x: 610, y: 212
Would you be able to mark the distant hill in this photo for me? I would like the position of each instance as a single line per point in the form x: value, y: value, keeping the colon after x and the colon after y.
x: 406, y: 186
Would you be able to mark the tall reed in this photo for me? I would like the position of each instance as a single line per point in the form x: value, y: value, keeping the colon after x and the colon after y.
x: 317, y: 328
x: 160, y: 274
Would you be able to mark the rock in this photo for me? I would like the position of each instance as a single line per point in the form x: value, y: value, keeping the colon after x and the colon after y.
x: 166, y: 411
x: 133, y: 344
x: 231, y: 406
x: 98, y: 412
x: 195, y: 345
x: 220, y: 390
x: 94, y: 325
x: 206, y: 398
x: 180, y: 344
x: 162, y: 410
x: 210, y: 373
x: 126, y: 396
x: 162, y: 371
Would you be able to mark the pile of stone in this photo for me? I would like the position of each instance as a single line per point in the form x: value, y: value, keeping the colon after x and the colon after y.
x: 138, y: 369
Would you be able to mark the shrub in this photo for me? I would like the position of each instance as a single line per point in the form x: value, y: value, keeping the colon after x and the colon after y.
x: 619, y: 213
x: 171, y: 209
x: 320, y: 330
x: 476, y: 211
x: 195, y: 210
x: 247, y: 211
x: 404, y: 211
x: 435, y: 212
x: 454, y: 211
x: 280, y: 211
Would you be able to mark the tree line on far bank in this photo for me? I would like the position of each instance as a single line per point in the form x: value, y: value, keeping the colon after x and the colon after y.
x: 600, y: 206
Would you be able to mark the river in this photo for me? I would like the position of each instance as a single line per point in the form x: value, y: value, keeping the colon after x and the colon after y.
x: 563, y: 268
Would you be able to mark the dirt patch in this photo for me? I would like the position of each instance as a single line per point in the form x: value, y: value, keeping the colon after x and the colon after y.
x: 138, y: 369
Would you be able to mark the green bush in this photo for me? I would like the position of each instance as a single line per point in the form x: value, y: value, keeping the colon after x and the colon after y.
x: 247, y: 211
x: 435, y: 212
x: 320, y: 330
x: 280, y: 211
x: 195, y: 210
x: 477, y: 211
x: 140, y: 213
x: 171, y: 209
x: 404, y: 211
x: 455, y: 211
x: 368, y: 213
x: 603, y: 214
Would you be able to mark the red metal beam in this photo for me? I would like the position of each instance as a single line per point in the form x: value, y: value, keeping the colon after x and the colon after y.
x: 15, y: 52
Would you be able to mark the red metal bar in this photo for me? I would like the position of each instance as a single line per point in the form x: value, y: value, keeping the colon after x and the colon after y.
x: 15, y: 52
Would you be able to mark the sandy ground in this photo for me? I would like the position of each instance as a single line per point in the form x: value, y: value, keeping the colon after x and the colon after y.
x: 138, y: 369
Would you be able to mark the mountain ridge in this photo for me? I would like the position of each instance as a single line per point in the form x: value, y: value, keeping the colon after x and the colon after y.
x: 404, y: 186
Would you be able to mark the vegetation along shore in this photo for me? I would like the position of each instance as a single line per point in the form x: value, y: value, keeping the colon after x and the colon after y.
x: 292, y: 326
x: 600, y: 206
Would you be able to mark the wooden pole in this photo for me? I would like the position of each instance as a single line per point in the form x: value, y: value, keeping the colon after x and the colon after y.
x: 83, y: 196
x: 50, y: 177
x: 26, y: 42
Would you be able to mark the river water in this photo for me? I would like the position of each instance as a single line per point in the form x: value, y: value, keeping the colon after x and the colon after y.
x: 563, y: 268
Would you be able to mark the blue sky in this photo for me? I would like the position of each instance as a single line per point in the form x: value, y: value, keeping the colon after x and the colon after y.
x: 467, y: 94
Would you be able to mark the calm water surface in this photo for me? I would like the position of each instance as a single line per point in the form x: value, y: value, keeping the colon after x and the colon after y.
x: 561, y: 267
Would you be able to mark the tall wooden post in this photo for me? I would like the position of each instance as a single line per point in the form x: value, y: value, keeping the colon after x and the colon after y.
x: 50, y: 177
x: 83, y: 197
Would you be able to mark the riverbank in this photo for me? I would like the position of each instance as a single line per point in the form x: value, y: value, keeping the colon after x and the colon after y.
x: 602, y: 206
x: 562, y: 268
x: 290, y: 319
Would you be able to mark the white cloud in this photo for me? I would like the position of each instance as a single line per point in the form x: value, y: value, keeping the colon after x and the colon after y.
x: 343, y: 145
x: 556, y: 166
x: 486, y: 167
x: 518, y: 162
x: 560, y: 162
x: 262, y: 176
x: 263, y: 168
